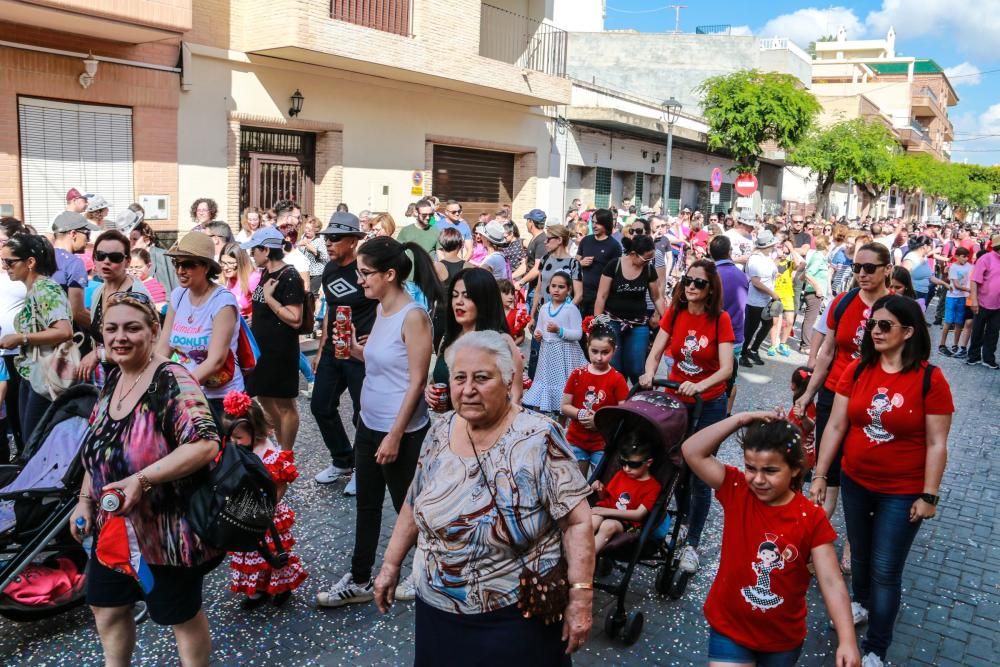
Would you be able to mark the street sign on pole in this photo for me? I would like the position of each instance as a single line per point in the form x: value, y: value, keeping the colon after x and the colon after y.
x: 716, y: 180
x: 746, y: 184
x: 744, y: 202
x: 714, y: 198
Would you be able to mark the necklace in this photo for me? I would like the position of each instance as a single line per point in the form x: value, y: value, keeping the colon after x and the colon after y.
x: 551, y: 314
x: 190, y: 317
x: 122, y: 398
x: 468, y: 430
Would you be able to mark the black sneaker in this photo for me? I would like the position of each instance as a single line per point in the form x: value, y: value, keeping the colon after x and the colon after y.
x: 746, y: 363
x: 962, y: 353
x: 943, y: 349
x: 990, y: 364
x: 972, y: 362
x: 755, y: 357
x: 954, y: 349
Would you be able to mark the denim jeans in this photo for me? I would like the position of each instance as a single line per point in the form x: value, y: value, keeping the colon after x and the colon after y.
x: 333, y: 376
x: 630, y: 351
x: 712, y: 412
x: 880, y: 532
x: 373, y: 479
x: 723, y: 649
x: 31, y: 406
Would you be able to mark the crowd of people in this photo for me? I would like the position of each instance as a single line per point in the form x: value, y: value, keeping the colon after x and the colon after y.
x: 475, y: 362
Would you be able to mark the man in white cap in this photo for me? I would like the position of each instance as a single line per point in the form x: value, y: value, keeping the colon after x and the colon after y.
x: 741, y: 238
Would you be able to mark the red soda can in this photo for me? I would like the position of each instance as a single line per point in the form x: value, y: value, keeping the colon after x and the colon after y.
x: 443, y: 399
x: 112, y: 499
x: 342, y: 332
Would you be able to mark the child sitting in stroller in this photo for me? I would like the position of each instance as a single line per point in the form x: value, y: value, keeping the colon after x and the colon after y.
x: 628, y: 497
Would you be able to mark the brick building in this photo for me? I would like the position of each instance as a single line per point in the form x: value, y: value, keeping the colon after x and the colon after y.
x: 114, y: 134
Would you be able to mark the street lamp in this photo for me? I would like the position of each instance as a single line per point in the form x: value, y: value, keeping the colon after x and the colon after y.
x: 671, y: 109
x: 297, y: 100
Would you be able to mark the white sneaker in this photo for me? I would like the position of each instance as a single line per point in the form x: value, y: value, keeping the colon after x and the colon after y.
x: 689, y: 560
x: 872, y: 660
x: 345, y: 592
x: 406, y: 590
x: 352, y: 486
x: 859, y: 613
x: 331, y: 474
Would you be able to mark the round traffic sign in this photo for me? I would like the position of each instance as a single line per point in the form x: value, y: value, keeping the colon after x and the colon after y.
x: 746, y: 184
x: 716, y: 179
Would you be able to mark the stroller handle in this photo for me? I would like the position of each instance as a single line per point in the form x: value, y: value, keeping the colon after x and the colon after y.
x: 670, y: 384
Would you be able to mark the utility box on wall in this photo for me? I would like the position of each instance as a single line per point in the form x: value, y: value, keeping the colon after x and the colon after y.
x: 157, y: 207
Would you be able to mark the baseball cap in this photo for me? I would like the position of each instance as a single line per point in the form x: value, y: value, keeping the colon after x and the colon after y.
x: 343, y: 223
x: 74, y: 193
x: 268, y: 237
x: 535, y: 215
x: 69, y: 221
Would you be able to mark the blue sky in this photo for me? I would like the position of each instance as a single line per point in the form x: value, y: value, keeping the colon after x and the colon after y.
x: 963, y: 36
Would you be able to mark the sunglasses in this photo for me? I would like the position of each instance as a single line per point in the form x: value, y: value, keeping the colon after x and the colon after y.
x: 699, y: 283
x: 113, y: 257
x: 637, y: 232
x: 885, y: 326
x: 867, y: 267
x: 186, y: 264
x: 634, y: 465
x: 455, y: 212
x: 7, y: 263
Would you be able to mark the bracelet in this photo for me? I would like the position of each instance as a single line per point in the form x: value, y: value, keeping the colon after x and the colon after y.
x: 24, y: 339
x: 85, y: 495
x: 583, y: 585
x: 822, y: 477
x: 560, y: 332
x: 144, y: 482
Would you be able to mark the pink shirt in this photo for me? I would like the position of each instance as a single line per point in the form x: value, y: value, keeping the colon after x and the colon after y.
x: 987, y: 275
x: 244, y: 300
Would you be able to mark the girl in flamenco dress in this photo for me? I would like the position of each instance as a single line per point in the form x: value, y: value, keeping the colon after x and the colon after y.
x: 251, y: 574
x: 768, y: 559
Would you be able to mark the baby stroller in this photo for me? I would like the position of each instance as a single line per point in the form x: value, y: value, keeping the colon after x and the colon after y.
x: 662, y: 420
x: 37, y: 497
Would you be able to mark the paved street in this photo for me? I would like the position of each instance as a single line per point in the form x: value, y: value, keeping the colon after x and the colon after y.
x: 951, y: 600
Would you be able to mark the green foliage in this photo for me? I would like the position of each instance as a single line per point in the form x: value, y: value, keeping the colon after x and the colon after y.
x: 748, y: 108
x: 811, y: 49
x: 963, y: 185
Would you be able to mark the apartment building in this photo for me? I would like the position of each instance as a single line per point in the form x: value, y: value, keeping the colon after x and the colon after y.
x: 89, y: 93
x: 373, y: 102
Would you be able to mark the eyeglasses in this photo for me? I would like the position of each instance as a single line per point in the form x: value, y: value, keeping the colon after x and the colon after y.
x: 552, y: 238
x: 867, y: 267
x: 229, y: 265
x: 113, y: 257
x: 634, y: 465
x: 454, y: 211
x: 699, y: 283
x: 423, y: 216
x: 885, y: 326
x: 7, y: 263
x: 186, y: 264
x: 364, y: 274
x: 85, y: 232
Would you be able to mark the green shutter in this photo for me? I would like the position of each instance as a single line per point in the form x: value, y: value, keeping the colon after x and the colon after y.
x: 602, y: 190
x: 637, y: 200
x: 674, y: 196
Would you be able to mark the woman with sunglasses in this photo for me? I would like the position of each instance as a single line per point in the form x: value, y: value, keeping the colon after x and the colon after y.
x: 240, y: 277
x: 250, y: 222
x: 42, y: 324
x: 111, y: 261
x: 845, y: 323
x: 201, y: 330
x: 700, y: 336
x: 621, y: 295
x: 891, y: 416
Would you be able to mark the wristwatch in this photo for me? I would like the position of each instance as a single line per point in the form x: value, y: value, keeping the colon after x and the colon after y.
x: 929, y: 498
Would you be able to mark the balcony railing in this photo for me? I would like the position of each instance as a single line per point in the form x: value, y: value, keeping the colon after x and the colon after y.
x: 929, y: 93
x: 921, y: 130
x: 386, y: 15
x: 522, y: 41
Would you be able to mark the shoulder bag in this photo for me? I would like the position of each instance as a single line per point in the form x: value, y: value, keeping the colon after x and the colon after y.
x: 53, y: 371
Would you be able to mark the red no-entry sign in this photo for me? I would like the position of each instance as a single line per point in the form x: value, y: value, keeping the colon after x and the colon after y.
x: 746, y: 184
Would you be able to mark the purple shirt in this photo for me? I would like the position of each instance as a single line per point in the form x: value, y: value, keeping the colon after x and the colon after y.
x: 734, y: 294
x: 987, y: 275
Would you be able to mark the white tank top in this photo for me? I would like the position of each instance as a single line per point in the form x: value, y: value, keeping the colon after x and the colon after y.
x: 387, y: 374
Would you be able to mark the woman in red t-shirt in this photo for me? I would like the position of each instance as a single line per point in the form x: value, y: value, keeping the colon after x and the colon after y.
x: 892, y: 413
x: 756, y: 608
x: 700, y: 335
x: 840, y: 346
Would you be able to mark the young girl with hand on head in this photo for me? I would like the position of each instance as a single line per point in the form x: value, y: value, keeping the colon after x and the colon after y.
x: 629, y: 497
x: 756, y: 608
x: 253, y: 576
x: 559, y: 330
x: 589, y: 388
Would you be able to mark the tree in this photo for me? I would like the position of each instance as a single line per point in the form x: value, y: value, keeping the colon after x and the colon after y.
x: 811, y: 49
x: 856, y: 149
x: 748, y: 108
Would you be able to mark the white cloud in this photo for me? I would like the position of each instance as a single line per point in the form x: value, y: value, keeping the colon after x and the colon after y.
x: 741, y: 30
x: 806, y: 25
x: 972, y: 26
x: 964, y: 74
x: 989, y: 120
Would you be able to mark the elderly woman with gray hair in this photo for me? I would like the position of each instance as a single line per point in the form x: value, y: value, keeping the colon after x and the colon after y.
x: 496, y: 494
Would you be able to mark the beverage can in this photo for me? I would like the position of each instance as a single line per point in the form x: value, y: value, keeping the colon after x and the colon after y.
x: 342, y: 332
x: 443, y: 399
x: 112, y: 500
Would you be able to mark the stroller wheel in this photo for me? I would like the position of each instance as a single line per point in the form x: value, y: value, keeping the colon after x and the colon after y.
x: 665, y: 577
x: 613, y: 623
x: 139, y: 612
x: 605, y: 566
x: 679, y: 585
x: 633, y: 628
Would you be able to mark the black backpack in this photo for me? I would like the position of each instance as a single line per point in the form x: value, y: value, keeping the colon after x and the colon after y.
x: 234, y: 508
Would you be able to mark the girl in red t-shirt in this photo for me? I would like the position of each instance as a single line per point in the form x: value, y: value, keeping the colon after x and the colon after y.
x: 588, y: 389
x: 628, y: 498
x: 756, y: 608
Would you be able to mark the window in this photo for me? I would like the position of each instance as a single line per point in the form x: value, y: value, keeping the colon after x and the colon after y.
x: 602, y: 190
x: 66, y: 145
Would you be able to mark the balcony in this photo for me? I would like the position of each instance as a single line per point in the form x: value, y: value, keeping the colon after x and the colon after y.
x: 925, y: 104
x: 113, y: 20
x: 522, y: 41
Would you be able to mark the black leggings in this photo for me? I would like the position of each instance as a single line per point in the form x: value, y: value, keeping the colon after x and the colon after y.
x: 755, y: 329
x: 824, y: 406
x: 372, y: 480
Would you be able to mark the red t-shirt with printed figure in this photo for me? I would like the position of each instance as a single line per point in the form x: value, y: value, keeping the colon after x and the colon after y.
x: 625, y: 493
x: 885, y: 448
x: 809, y: 439
x: 592, y: 391
x: 758, y: 598
x: 694, y: 346
x: 850, y: 333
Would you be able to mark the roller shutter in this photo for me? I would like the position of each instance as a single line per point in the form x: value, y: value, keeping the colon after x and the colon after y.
x: 481, y: 180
